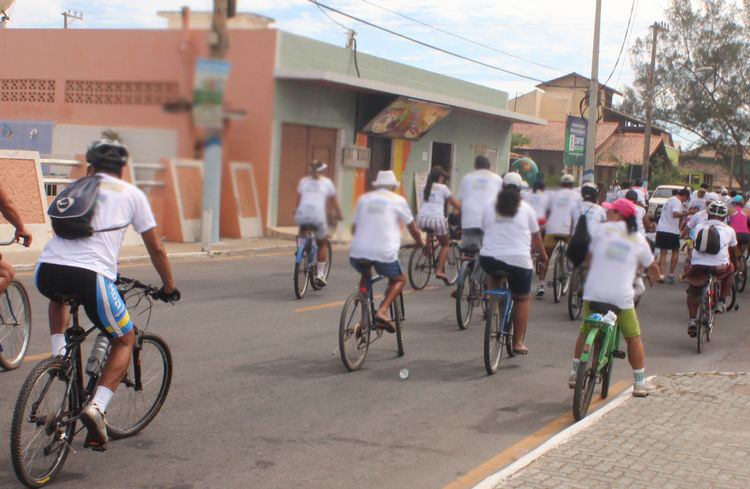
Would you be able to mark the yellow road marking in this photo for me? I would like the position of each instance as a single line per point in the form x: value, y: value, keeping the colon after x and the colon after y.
x: 341, y: 303
x: 33, y: 358
x: 524, y: 446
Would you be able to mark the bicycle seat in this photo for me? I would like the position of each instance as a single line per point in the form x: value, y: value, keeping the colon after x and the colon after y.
x: 66, y: 299
x: 603, y: 307
x: 309, y: 227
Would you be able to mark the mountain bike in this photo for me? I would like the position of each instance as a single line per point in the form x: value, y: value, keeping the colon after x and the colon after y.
x: 55, y: 392
x: 15, y: 323
x: 470, y: 287
x: 498, y: 329
x: 575, y: 293
x: 600, y: 349
x: 357, y: 327
x: 708, y: 307
x: 561, y: 271
x: 423, y: 261
x: 306, y: 260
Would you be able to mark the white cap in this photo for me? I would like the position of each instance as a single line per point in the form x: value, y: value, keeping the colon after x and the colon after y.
x: 524, y: 184
x: 512, y: 178
x: 568, y: 178
x: 386, y: 179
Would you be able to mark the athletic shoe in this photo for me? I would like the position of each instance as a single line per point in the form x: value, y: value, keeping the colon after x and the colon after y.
x: 643, y: 389
x: 320, y: 281
x: 671, y: 279
x: 540, y: 292
x: 572, y: 379
x: 93, y: 420
x: 692, y: 328
x: 721, y: 306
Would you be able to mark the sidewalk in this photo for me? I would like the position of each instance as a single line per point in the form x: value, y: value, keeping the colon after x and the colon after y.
x: 24, y: 260
x: 694, y: 431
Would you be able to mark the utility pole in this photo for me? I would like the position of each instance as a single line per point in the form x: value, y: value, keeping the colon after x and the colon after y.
x: 70, y: 16
x: 645, y: 173
x: 593, y: 93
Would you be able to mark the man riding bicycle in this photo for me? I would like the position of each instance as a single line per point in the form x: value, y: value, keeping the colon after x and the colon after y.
x: 9, y: 212
x: 478, y: 190
x: 376, y: 241
x: 314, y: 194
x: 86, y: 268
x: 714, y: 252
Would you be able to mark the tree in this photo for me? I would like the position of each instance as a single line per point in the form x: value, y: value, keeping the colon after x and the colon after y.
x: 702, y: 80
x: 518, y: 139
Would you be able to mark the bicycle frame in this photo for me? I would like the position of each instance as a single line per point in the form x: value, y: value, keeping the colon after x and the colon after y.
x: 302, y: 244
x: 507, y: 299
x: 610, y: 342
x: 368, y: 292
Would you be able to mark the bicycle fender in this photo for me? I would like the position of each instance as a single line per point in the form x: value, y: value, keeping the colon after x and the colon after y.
x: 587, y: 345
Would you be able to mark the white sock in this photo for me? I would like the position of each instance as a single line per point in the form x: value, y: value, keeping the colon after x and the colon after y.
x: 639, y: 375
x: 58, y: 344
x: 102, y: 397
x: 576, y: 362
x: 321, y: 268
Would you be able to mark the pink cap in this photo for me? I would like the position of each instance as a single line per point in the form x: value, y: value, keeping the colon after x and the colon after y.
x: 623, y: 206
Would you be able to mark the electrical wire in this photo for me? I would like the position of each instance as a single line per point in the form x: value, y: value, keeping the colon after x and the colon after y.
x: 466, y: 39
x: 629, y: 57
x: 422, y: 43
x: 331, y: 18
x: 624, y: 41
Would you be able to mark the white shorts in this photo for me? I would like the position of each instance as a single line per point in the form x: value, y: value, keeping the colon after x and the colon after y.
x: 439, y: 225
x: 321, y: 232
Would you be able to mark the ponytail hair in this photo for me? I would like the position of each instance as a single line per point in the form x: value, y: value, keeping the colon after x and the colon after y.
x: 508, y: 201
x: 435, y: 173
x: 631, y: 224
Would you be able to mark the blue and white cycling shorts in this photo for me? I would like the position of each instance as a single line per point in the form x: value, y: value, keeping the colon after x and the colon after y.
x: 96, y: 293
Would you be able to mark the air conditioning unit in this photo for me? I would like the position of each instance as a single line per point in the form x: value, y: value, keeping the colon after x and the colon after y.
x: 356, y: 157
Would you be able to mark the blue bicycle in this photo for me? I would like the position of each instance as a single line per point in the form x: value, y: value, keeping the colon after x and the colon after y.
x: 306, y: 259
x: 498, y: 330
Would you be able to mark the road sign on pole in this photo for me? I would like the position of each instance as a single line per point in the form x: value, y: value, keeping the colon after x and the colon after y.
x: 575, y: 141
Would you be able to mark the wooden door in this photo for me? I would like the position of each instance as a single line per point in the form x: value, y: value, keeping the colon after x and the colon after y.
x: 300, y: 145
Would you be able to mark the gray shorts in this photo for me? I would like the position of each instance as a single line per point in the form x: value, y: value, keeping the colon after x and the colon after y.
x: 471, y: 240
x: 321, y: 231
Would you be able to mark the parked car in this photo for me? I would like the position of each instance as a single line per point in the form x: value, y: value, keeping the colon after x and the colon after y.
x: 658, y: 198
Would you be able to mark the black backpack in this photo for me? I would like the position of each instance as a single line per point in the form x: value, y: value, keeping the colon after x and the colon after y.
x: 708, y: 240
x: 73, y: 208
x: 578, y: 247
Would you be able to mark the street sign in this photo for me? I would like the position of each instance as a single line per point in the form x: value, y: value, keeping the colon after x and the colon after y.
x: 575, y: 141
x: 208, y: 96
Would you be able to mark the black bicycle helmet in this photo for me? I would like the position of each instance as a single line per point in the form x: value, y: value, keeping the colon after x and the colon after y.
x: 589, y: 191
x: 107, y: 154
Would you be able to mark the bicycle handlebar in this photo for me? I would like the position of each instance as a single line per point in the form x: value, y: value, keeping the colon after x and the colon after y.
x: 154, y: 292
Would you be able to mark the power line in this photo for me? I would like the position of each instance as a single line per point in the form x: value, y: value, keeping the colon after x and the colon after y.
x: 624, y: 40
x: 628, y: 54
x: 332, y: 19
x: 422, y: 43
x: 457, y: 36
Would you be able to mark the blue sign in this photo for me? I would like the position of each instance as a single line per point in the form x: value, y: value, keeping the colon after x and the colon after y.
x: 27, y: 136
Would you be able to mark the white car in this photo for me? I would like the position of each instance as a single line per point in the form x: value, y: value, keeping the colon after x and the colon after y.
x: 658, y: 198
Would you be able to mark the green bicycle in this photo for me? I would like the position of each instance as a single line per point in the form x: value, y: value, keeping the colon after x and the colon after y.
x: 597, y: 359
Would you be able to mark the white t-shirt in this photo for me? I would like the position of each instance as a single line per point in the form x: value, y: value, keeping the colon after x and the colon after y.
x: 698, y: 218
x: 313, y: 197
x: 640, y: 212
x: 562, y: 206
x: 377, y: 218
x: 538, y: 201
x: 434, y: 207
x: 595, y: 215
x: 615, y: 256
x: 728, y: 238
x: 119, y: 204
x: 478, y: 190
x: 726, y: 199
x: 641, y: 194
x: 508, y: 239
x: 667, y: 222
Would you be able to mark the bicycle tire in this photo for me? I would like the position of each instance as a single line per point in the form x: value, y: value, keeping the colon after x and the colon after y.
x: 607, y: 376
x: 742, y: 275
x: 118, y: 430
x: 586, y: 380
x: 397, y: 315
x: 358, y: 330
x: 464, y: 301
x: 493, y: 336
x: 702, y: 322
x: 733, y: 301
x: 15, y: 311
x: 575, y: 295
x: 453, y: 263
x: 301, y: 274
x: 557, y: 273
x: 420, y: 258
x: 55, y: 369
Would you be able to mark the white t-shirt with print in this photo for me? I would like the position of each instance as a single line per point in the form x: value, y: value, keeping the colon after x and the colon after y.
x: 615, y: 256
x: 378, y: 218
x: 478, y: 190
x: 667, y: 222
x: 562, y: 206
x: 434, y: 206
x: 595, y: 215
x: 538, y: 201
x: 728, y: 237
x: 508, y: 239
x: 314, y: 193
x: 120, y: 204
x: 640, y: 213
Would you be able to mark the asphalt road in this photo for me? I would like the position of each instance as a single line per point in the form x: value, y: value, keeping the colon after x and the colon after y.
x: 260, y: 398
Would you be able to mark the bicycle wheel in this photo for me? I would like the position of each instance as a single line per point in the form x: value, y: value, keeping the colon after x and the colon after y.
x: 557, y: 275
x: 494, y: 342
x: 704, y: 318
x: 607, y: 377
x: 575, y: 295
x: 354, y: 332
x: 732, y: 299
x: 301, y: 273
x: 42, y: 427
x: 15, y: 325
x: 134, y: 407
x: 567, y: 268
x: 453, y: 263
x: 420, y: 267
x: 397, y: 315
x: 586, y: 380
x: 464, y: 299
x: 329, y: 259
x: 741, y: 280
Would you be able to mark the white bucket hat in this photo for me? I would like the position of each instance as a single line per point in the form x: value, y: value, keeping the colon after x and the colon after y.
x: 386, y: 179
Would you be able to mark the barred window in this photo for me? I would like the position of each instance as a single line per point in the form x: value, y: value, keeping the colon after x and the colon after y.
x: 27, y: 90
x: 120, y: 92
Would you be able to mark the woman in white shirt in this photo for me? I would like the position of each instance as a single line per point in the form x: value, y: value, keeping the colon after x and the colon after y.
x: 511, y: 230
x: 431, y: 214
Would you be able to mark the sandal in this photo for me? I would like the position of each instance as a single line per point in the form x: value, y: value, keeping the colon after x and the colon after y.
x: 386, y: 324
x: 520, y: 352
x: 444, y: 278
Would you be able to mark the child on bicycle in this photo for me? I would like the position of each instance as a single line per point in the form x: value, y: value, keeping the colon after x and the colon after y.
x: 616, y: 251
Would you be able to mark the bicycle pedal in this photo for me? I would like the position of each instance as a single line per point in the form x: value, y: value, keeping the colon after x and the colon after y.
x: 95, y: 447
x: 618, y: 354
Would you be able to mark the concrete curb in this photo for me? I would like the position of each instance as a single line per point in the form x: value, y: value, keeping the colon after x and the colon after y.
x: 564, y: 436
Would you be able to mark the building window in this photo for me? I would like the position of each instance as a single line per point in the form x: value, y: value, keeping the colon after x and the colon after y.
x: 27, y: 90
x: 120, y: 92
